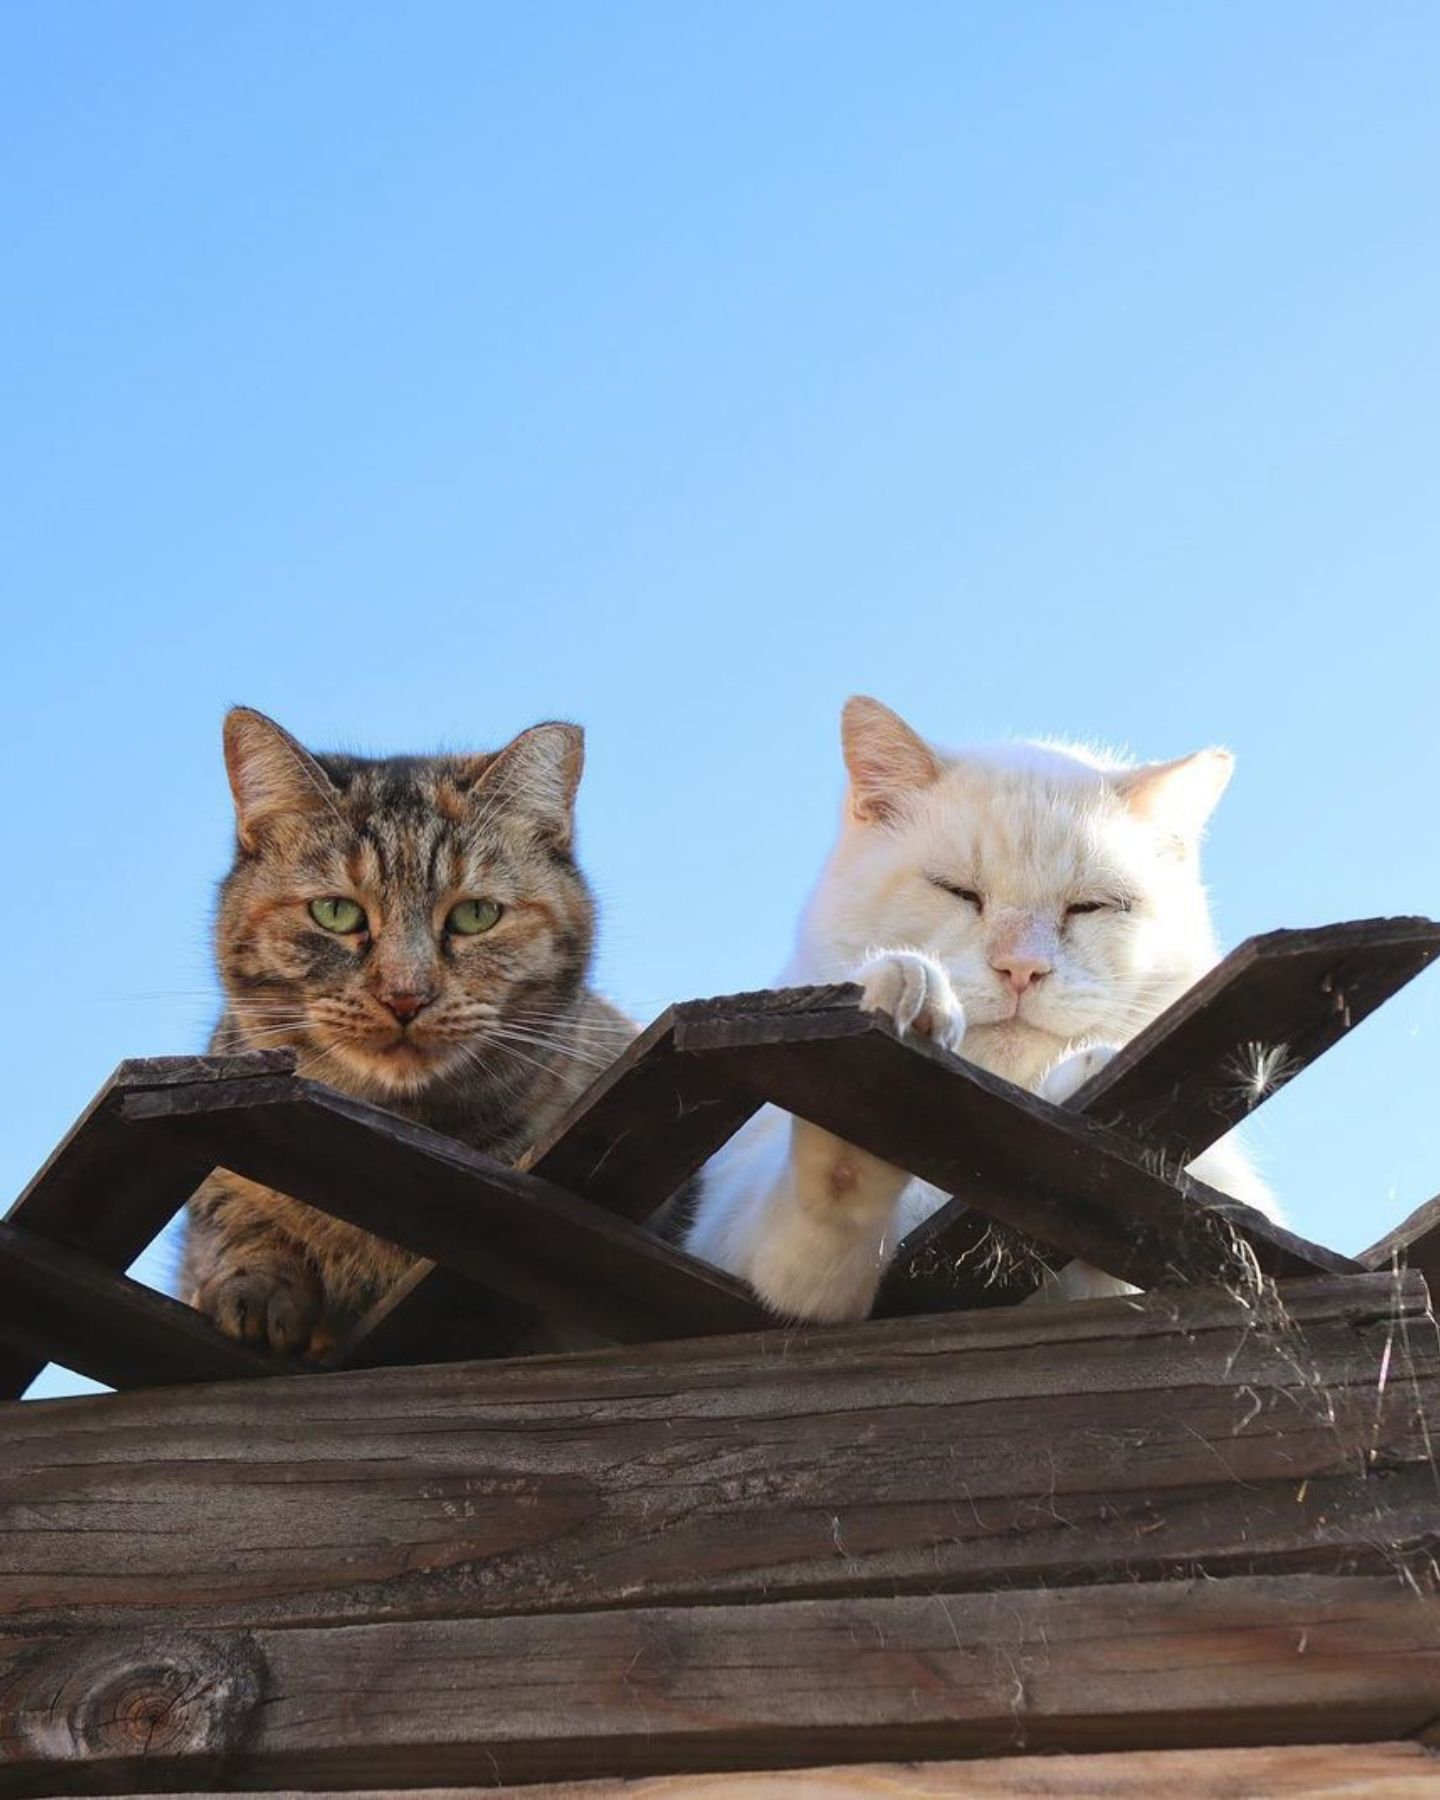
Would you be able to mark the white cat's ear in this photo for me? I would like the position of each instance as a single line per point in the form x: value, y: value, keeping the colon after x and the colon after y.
x: 885, y: 758
x: 1179, y: 796
x: 540, y: 770
x: 270, y: 774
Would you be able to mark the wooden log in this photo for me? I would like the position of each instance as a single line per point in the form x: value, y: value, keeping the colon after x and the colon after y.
x: 1263, y: 1015
x: 71, y: 1309
x: 638, y: 1690
x: 1398, y: 1770
x: 1025, y: 1446
x: 103, y: 1192
x: 1059, y: 1177
x: 493, y: 1224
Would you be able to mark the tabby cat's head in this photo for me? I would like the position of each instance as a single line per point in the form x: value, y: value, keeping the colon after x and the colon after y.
x: 392, y: 917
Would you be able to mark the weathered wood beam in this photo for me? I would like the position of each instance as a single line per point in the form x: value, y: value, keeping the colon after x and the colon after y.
x: 1023, y: 1446
x: 1271, y: 1008
x: 106, y: 1194
x: 1241, y: 1661
x: 495, y: 1225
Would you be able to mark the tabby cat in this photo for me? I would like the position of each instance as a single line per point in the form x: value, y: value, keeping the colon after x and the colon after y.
x: 418, y: 930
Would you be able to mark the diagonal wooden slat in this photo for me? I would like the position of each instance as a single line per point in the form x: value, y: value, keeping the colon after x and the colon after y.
x: 99, y: 1190
x: 1413, y: 1244
x: 1255, y: 1022
x: 630, y: 1142
x: 1058, y: 1176
x: 1264, y: 1014
x: 63, y: 1306
x: 498, y: 1226
x: 107, y: 1195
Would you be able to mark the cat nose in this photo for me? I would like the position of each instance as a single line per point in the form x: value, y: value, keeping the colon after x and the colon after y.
x: 1021, y: 971
x: 406, y: 1006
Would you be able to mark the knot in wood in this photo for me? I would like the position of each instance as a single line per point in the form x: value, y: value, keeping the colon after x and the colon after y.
x: 134, y: 1695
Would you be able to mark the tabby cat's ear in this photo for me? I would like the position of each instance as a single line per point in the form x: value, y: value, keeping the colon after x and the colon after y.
x: 1178, y: 796
x: 539, y: 772
x: 270, y: 774
x: 885, y: 758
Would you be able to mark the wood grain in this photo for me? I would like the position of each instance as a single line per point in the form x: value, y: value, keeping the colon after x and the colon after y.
x: 639, y: 1690
x: 1023, y: 1446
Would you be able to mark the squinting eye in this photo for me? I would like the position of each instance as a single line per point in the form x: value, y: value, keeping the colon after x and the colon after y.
x: 1094, y: 906
x: 968, y: 895
x: 471, y: 917
x: 343, y: 916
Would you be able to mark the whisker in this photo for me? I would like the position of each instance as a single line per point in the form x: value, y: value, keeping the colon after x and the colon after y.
x: 559, y: 1046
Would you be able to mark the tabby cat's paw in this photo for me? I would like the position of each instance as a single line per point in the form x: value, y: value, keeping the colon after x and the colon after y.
x: 278, y: 1308
x: 917, y: 994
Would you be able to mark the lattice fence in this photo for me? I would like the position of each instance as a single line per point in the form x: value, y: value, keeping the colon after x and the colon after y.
x: 566, y: 1236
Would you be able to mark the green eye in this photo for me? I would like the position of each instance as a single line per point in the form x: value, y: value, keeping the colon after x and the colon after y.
x: 338, y: 915
x: 470, y: 917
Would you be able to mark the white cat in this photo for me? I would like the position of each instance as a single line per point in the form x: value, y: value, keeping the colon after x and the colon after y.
x: 1031, y: 907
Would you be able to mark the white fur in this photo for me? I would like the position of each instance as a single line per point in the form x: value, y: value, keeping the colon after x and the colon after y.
x: 1034, y: 829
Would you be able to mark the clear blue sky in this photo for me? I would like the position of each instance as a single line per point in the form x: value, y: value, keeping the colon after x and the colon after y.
x: 414, y: 372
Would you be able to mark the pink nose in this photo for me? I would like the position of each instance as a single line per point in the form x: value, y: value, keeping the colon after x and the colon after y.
x: 1020, y: 971
x: 406, y: 1006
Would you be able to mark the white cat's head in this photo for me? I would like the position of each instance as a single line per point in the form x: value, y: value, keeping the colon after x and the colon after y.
x: 1061, y: 891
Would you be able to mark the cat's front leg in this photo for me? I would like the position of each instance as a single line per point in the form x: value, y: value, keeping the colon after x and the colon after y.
x: 1069, y: 1075
x: 814, y: 1233
x: 1078, y: 1280
x: 249, y: 1278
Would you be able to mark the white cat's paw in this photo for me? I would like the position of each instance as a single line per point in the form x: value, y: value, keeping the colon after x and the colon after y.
x: 1072, y: 1072
x: 917, y: 994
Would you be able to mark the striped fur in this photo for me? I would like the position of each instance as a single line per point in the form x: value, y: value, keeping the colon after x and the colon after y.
x: 510, y: 1033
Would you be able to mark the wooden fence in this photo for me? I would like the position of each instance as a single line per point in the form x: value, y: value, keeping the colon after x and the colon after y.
x: 565, y: 1237
x: 1155, y: 1534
